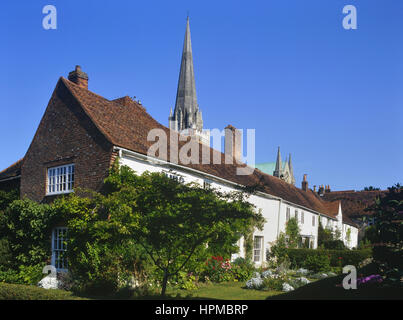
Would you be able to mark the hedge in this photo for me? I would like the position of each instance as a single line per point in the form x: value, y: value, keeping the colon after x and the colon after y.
x: 26, y: 292
x: 348, y: 257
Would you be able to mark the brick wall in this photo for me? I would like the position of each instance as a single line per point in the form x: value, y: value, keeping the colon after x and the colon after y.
x: 65, y: 135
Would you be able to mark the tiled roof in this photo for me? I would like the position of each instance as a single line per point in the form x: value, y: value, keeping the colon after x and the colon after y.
x: 12, y: 171
x: 126, y: 124
x: 353, y: 202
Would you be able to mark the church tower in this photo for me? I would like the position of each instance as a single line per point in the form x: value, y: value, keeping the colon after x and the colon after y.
x: 278, y: 171
x: 284, y: 170
x: 187, y: 118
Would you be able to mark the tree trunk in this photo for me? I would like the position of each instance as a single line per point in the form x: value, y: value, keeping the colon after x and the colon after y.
x: 164, y: 283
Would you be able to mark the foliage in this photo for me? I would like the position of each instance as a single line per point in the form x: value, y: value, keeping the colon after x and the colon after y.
x: 371, y: 188
x: 23, y: 275
x: 337, y: 258
x: 26, y: 292
x: 7, y: 197
x: 317, y: 263
x: 102, y: 257
x: 149, y: 224
x: 5, y: 254
x: 329, y: 239
x: 289, y: 239
x: 273, y: 283
x: 187, y: 281
x: 172, y: 220
x: 219, y: 269
x: 387, y: 234
x: 388, y: 227
x: 292, y: 232
x: 27, y: 226
x: 243, y: 269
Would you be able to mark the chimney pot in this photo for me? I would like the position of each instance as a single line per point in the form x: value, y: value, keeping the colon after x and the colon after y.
x: 305, y: 183
x: 233, y: 144
x: 79, y: 77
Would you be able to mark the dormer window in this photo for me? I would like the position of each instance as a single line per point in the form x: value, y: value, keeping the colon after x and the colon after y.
x: 60, y: 179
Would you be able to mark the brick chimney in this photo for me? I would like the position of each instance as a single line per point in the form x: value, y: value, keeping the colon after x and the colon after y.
x: 321, y: 190
x: 233, y: 144
x: 79, y: 77
x: 305, y: 183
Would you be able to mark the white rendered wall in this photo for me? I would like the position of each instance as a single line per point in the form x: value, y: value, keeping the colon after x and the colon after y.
x: 275, y: 222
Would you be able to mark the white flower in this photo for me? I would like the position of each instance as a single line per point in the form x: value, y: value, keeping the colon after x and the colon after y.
x: 304, y: 280
x: 254, y: 283
x: 267, y: 274
x: 287, y: 287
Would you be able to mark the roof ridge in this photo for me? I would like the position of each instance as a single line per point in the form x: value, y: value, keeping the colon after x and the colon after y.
x: 127, y: 127
x: 67, y: 82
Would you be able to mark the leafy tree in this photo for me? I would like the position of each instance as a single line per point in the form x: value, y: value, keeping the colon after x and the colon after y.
x: 174, y: 223
x: 288, y: 239
x: 371, y: 188
x: 329, y: 239
x: 389, y: 216
x: 292, y: 232
x: 387, y: 232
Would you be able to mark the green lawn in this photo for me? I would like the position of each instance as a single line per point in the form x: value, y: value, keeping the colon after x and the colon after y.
x: 223, y: 291
x: 320, y: 289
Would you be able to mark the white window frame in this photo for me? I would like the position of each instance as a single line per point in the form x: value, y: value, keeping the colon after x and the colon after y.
x: 287, y: 214
x: 60, y: 179
x: 257, y: 251
x: 59, y: 247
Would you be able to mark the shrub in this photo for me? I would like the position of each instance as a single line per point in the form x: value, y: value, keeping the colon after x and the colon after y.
x: 27, y: 226
x: 348, y: 257
x: 23, y: 275
x: 9, y: 276
x: 317, y: 263
x: 25, y: 292
x: 243, y: 269
x: 5, y: 254
x: 272, y: 283
x: 254, y: 283
x: 186, y: 281
x: 218, y: 269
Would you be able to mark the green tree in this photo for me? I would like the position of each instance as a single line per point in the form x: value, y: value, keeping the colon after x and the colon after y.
x: 171, y: 221
x: 292, y: 232
x: 387, y: 232
x: 329, y: 239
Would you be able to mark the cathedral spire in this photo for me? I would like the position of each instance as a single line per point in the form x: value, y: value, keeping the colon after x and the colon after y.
x: 186, y: 98
x: 187, y: 118
x: 291, y: 170
x: 278, y: 169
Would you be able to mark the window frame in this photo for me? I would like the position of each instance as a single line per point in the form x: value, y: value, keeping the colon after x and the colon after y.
x: 260, y: 249
x: 68, y: 177
x: 60, y: 248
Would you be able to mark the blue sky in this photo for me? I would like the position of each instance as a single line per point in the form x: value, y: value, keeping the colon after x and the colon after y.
x: 332, y: 97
